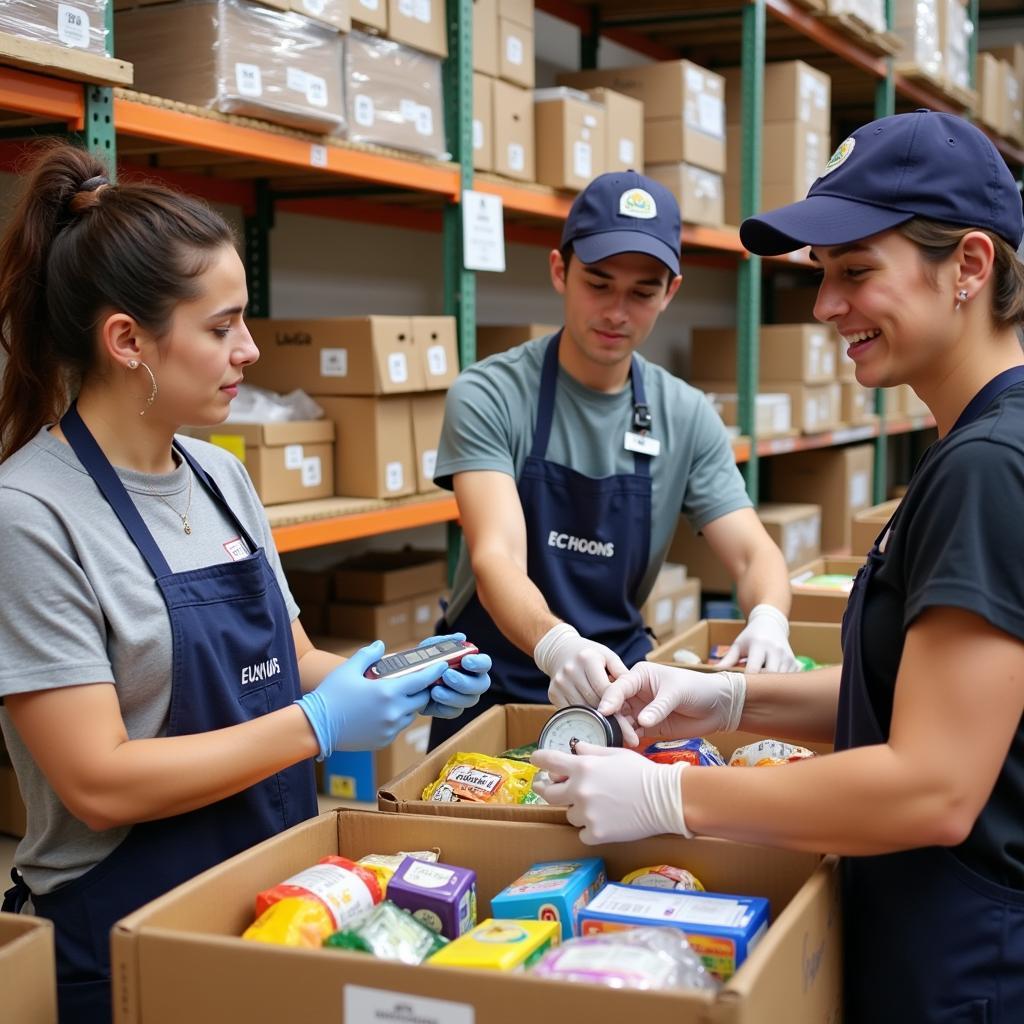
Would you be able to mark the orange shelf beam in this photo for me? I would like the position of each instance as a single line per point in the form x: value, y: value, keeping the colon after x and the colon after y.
x: 525, y: 200
x: 364, y: 524
x: 152, y: 122
x: 40, y: 96
x: 818, y: 32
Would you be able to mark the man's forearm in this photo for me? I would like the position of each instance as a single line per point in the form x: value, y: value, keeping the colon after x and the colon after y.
x: 513, y: 601
x: 793, y: 706
x: 765, y: 580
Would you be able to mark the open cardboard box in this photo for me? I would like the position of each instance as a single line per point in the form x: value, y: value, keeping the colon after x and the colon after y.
x: 817, y: 640
x: 28, y: 980
x: 821, y: 604
x: 180, y: 958
x: 498, y: 729
x: 867, y: 525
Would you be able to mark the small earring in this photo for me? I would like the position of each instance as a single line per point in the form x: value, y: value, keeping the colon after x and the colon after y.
x: 152, y: 395
x: 961, y: 296
x: 133, y: 364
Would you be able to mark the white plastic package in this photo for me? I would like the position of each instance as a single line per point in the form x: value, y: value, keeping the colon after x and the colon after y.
x: 258, y: 405
x: 78, y: 24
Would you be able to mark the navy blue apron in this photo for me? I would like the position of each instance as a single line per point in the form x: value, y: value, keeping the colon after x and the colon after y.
x: 608, y: 522
x: 926, y: 938
x: 223, y: 617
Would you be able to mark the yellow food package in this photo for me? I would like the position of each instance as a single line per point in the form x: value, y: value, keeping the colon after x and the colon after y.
x: 292, y: 922
x: 384, y: 865
x: 500, y: 945
x: 480, y: 778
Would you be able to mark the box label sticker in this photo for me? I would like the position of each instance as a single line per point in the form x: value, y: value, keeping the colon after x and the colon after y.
x: 424, y: 120
x: 334, y: 362
x: 860, y: 491
x: 295, y: 79
x: 627, y: 151
x: 423, y: 11
x: 711, y: 115
x: 422, y: 614
x: 312, y: 471
x: 407, y: 8
x: 374, y: 1004
x: 398, y: 368
x: 233, y: 443
x: 72, y: 26
x: 315, y: 7
x: 248, y: 79
x: 317, y: 155
x: 428, y: 876
x: 370, y: 5
x: 363, y: 110
x: 293, y: 456
x: 394, y: 477
x: 514, y: 50
x: 429, y: 463
x: 694, y: 80
x: 316, y: 91
x: 581, y: 160
x: 478, y: 134
x: 663, y: 611
x: 437, y: 361
x: 516, y: 157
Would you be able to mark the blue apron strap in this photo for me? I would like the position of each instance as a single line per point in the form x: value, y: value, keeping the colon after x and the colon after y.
x: 546, y: 401
x: 211, y: 485
x: 988, y: 394
x: 17, y: 896
x: 91, y: 456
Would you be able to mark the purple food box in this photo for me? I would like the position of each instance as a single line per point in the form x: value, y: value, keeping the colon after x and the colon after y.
x: 441, y: 896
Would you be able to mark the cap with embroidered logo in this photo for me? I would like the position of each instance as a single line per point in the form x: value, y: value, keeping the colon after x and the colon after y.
x: 623, y: 211
x: 920, y: 164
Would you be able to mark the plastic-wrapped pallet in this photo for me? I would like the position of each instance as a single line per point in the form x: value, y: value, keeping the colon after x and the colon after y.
x: 916, y: 22
x: 81, y: 24
x: 237, y: 58
x: 955, y: 31
x: 393, y: 95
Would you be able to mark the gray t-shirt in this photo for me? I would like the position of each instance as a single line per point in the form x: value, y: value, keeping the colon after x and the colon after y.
x: 81, y: 606
x: 488, y: 425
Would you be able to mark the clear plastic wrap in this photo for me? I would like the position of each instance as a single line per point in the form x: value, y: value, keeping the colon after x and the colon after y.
x: 916, y: 22
x: 237, y: 58
x: 394, y: 96
x: 79, y: 24
x: 956, y: 30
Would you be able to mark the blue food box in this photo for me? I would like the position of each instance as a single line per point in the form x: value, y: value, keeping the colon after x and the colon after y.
x: 552, y: 891
x: 722, y: 929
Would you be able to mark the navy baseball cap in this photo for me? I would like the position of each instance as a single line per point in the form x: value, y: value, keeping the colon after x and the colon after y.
x: 921, y: 164
x: 624, y: 212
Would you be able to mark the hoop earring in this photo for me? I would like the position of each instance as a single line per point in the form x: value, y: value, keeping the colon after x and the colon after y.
x: 961, y: 297
x: 133, y: 363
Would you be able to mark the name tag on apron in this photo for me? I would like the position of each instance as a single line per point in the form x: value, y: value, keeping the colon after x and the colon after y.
x: 642, y: 444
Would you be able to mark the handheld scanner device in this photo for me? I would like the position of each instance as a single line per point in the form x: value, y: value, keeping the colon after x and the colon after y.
x: 403, y: 663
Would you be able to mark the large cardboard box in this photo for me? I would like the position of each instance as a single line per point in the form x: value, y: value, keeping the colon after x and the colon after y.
x: 419, y: 23
x: 180, y: 958
x: 237, y: 58
x: 789, y: 352
x: 793, y: 91
x: 773, y: 411
x: 1014, y: 114
x: 81, y: 26
x: 515, y: 52
x: 796, y: 529
x: 701, y: 193
x: 673, y: 603
x: 818, y: 640
x: 435, y: 342
x: 569, y: 133
x: 483, y: 122
x: 485, y: 37
x: 427, y: 418
x: 291, y: 461
x: 990, y: 83
x: 624, y: 130
x: 869, y: 523
x: 390, y: 623
x: 373, y: 451
x: 371, y: 13
x: 494, y: 338
x: 513, y: 132
x: 815, y: 408
x: 693, y: 551
x: 519, y: 11
x: 858, y: 403
x: 358, y: 774
x: 837, y: 479
x: 377, y: 577
x: 360, y: 355
x: 28, y: 978
x: 814, y: 603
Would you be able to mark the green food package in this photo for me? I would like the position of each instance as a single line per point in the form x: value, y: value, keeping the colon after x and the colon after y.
x: 806, y: 664
x: 519, y: 753
x: 389, y: 933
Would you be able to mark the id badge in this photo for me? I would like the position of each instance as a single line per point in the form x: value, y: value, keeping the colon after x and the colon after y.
x: 642, y: 444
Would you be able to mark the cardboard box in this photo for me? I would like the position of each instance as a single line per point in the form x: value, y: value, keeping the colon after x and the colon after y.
x: 28, y: 975
x: 519, y: 11
x: 291, y: 461
x: 358, y: 774
x: 391, y: 622
x: 671, y: 140
x: 371, y: 13
x: 811, y: 603
x: 483, y: 122
x: 796, y: 529
x: 80, y: 27
x: 793, y: 91
x: 515, y: 53
x: 426, y: 613
x: 334, y: 13
x: 989, y: 81
x: 435, y: 342
x: 359, y: 355
x: 419, y: 23
x: 373, y: 451
x: 379, y: 577
x: 624, y: 130
x: 427, y: 418
x: 1014, y: 114
x: 818, y: 640
x: 789, y: 352
x: 180, y: 958
x: 311, y: 586
x: 693, y: 551
x: 815, y: 408
x: 858, y: 403
x: 673, y: 603
x: 569, y: 134
x: 237, y: 58
x: 794, y: 157
x: 513, y: 132
x: 794, y: 304
x: 494, y: 338
x: 837, y: 479
x: 868, y: 524
x: 701, y: 193
x: 485, y: 37
x: 773, y: 412
x: 955, y: 31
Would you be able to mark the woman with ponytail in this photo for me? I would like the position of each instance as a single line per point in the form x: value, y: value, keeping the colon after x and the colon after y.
x: 161, y: 702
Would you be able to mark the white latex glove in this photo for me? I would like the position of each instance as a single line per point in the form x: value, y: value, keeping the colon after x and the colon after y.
x: 660, y: 700
x: 764, y: 643
x: 614, y: 795
x: 580, y: 670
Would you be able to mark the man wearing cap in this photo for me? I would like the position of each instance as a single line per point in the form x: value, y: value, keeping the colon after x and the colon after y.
x: 572, y: 457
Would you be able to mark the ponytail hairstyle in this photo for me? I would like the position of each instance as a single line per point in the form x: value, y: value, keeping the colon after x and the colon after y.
x: 77, y: 248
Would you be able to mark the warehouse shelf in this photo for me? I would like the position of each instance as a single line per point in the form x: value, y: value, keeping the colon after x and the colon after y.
x: 41, y: 98
x: 309, y: 524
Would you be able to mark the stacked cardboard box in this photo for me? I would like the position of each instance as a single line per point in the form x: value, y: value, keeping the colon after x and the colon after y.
x: 28, y: 977
x: 916, y: 23
x: 814, y: 597
x: 1009, y: 92
x: 955, y: 31
x: 380, y: 380
x: 569, y: 137
x: 673, y: 603
x: 491, y: 339
x: 870, y: 14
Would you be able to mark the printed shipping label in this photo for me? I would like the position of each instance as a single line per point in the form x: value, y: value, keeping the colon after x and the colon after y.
x: 514, y: 50
x: 407, y: 8
x: 312, y: 471
x: 363, y: 111
x: 516, y: 157
x: 407, y: 109
x: 429, y: 463
x: 398, y: 368
x: 318, y: 155
x: 374, y: 1004
x: 581, y: 160
x: 711, y: 115
x: 424, y: 120
x: 370, y: 5
x: 316, y: 91
x: 72, y: 26
x: 248, y: 79
x: 293, y: 456
x: 394, y: 477
x: 334, y: 362
x: 627, y: 151
x: 437, y: 361
x: 478, y: 134
x: 423, y: 11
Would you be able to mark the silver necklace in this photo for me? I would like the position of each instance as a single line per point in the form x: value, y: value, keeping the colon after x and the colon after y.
x: 183, y: 516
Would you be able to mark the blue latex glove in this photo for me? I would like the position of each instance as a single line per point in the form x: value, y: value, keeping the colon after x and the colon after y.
x: 347, y: 711
x: 461, y: 688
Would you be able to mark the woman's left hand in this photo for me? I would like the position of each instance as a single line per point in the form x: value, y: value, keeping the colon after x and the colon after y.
x: 458, y: 688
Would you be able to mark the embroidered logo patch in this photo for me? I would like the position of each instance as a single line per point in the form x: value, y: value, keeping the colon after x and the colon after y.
x: 636, y: 202
x: 840, y: 156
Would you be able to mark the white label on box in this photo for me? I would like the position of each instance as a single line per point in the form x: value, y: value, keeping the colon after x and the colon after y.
x: 315, y: 7
x: 316, y: 91
x: 483, y: 231
x: 686, y: 610
x: 394, y: 477
x: 662, y: 611
x: 318, y: 155
x: 627, y: 151
x: 375, y: 1004
x: 791, y: 542
x: 363, y: 110
x: 72, y: 26
x: 860, y: 491
x: 293, y: 456
x: 669, y: 906
x: 589, y: 120
x: 812, y: 414
x: 437, y: 361
x: 514, y: 50
x: 370, y: 5
x: 296, y: 79
x: 248, y: 79
x: 428, y: 463
x: 424, y: 120
x: 582, y: 165
x: 711, y: 115
x: 407, y: 8
x: 814, y: 158
x: 334, y: 362
x: 516, y: 156
x: 398, y: 368
x: 428, y: 876
x: 478, y: 133
x: 694, y: 80
x: 407, y: 109
x: 312, y: 472
x: 423, y: 12
x: 422, y: 614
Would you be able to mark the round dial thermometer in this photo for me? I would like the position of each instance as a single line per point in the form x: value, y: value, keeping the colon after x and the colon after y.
x: 576, y: 724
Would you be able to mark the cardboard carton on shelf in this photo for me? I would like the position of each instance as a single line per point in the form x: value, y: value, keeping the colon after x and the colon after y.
x: 858, y: 403
x: 869, y: 523
x: 333, y: 13
x: 989, y: 78
x: 795, y: 528
x: 816, y: 408
x: 434, y: 340
x: 789, y: 352
x: 427, y: 419
x: 814, y: 601
x: 569, y: 130
x: 483, y: 122
x: 513, y: 132
x: 494, y: 338
x: 519, y: 11
x: 624, y: 130
x: 773, y: 412
x: 793, y: 91
x: 1014, y: 113
x: 700, y: 193
x: 421, y: 25
x: 390, y: 622
x: 81, y: 28
x: 485, y: 37
x: 693, y: 551
x: 515, y: 52
x: 377, y: 577
x: 28, y: 975
x: 180, y: 957
x: 673, y: 603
